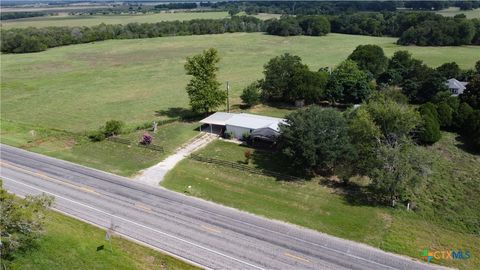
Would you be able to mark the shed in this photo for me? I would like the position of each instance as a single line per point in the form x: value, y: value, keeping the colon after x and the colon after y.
x: 455, y: 86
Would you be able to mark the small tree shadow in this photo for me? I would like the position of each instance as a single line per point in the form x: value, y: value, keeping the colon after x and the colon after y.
x: 353, y: 193
x: 182, y: 114
x: 463, y: 144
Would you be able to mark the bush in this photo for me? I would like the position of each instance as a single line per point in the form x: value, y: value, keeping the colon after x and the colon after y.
x: 246, y: 136
x: 227, y: 135
x: 445, y: 114
x: 430, y: 130
x: 113, y: 127
x: 251, y: 94
x: 146, y: 139
x: 97, y: 136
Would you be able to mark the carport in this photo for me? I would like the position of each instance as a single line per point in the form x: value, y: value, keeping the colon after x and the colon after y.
x: 215, y: 123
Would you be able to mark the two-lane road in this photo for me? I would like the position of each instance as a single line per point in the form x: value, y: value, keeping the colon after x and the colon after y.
x: 207, y: 234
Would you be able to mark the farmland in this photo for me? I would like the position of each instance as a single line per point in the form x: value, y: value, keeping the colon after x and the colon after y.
x: 450, y: 12
x: 327, y: 206
x: 91, y: 20
x: 63, y: 19
x: 77, y: 88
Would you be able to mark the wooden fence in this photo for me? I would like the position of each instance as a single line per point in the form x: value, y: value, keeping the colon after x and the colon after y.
x: 244, y: 168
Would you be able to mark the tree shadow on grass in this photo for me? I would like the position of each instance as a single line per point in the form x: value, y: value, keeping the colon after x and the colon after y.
x: 182, y: 114
x: 352, y: 193
x: 272, y: 160
x: 462, y: 143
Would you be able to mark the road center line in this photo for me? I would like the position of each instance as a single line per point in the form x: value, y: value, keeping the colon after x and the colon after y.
x: 296, y: 257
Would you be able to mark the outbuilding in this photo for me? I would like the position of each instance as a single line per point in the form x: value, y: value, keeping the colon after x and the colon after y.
x: 239, y: 124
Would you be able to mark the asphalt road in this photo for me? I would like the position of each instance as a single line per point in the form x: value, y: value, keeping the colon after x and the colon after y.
x: 207, y: 234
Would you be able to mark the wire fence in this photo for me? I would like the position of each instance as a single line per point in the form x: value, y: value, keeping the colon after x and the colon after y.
x: 244, y: 168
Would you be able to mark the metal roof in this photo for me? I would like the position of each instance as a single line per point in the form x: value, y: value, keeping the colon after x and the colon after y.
x: 218, y: 118
x: 244, y: 120
x: 455, y: 84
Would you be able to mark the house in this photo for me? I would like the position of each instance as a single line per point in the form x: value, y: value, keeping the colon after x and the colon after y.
x: 456, y: 87
x: 239, y: 124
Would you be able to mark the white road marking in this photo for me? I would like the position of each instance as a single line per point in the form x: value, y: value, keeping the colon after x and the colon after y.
x: 138, y: 224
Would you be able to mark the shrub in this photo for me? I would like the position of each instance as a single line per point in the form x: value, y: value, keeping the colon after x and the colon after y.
x: 445, y: 114
x: 251, y: 94
x: 227, y: 135
x: 248, y: 155
x: 246, y: 136
x: 430, y: 130
x: 113, y: 127
x: 146, y: 139
x: 97, y: 136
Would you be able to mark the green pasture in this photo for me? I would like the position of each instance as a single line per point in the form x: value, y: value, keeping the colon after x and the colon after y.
x: 79, y: 87
x: 452, y: 11
x: 91, y: 20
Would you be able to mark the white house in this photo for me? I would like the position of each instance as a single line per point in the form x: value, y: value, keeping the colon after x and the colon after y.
x: 240, y: 123
x: 456, y: 87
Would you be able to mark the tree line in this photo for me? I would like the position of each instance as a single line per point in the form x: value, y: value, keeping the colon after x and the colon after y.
x: 368, y: 71
x: 38, y: 39
x: 19, y: 15
x: 334, y: 7
x: 412, y: 28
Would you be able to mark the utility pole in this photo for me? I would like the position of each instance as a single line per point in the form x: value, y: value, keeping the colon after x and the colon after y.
x: 228, y: 99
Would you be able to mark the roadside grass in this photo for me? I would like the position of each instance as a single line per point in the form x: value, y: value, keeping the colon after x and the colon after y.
x: 91, y: 20
x: 71, y: 244
x: 105, y: 155
x: 327, y: 206
x: 452, y: 11
x: 79, y: 87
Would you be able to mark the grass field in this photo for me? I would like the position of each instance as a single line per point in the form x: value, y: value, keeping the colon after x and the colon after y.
x: 327, y: 206
x: 79, y: 87
x: 108, y: 156
x: 91, y: 20
x: 452, y: 11
x: 71, y: 244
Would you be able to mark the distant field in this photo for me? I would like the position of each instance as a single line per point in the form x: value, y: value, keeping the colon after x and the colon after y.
x: 67, y: 20
x: 71, y: 244
x: 452, y: 11
x: 79, y: 87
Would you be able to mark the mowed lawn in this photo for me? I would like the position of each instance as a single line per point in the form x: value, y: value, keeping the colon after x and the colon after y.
x: 326, y: 206
x: 91, y: 20
x: 108, y: 156
x: 71, y: 244
x: 77, y: 88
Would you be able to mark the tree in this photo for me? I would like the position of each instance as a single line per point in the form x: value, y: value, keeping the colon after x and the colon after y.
x: 365, y: 136
x: 21, y: 221
x: 429, y: 131
x: 314, y: 25
x: 204, y: 89
x: 395, y: 121
x: 449, y: 70
x: 282, y: 77
x: 315, y: 139
x: 445, y: 114
x: 462, y: 116
x: 311, y: 86
x: 113, y: 127
x: 370, y: 58
x: 251, y: 94
x: 472, y: 129
x: 471, y: 95
x: 402, y: 168
x: 348, y: 84
x: 429, y: 108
